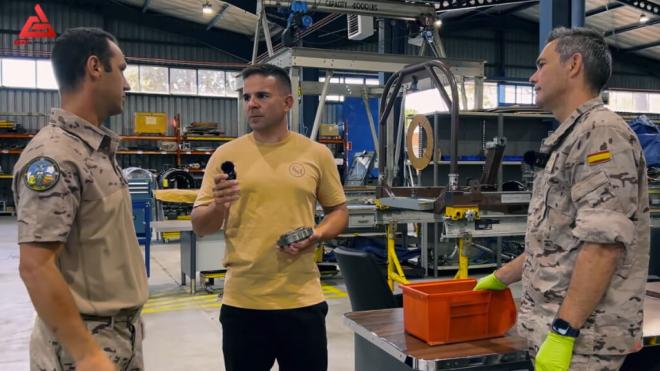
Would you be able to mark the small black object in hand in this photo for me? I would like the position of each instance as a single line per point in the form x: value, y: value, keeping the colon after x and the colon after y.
x: 296, y: 235
x: 227, y: 167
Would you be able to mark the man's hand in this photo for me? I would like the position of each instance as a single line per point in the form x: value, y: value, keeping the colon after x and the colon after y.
x: 490, y: 282
x: 555, y: 353
x: 98, y: 361
x: 225, y: 191
x: 299, y: 247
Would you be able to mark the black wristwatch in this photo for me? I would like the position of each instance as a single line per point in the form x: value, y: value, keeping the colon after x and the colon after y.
x: 564, y: 328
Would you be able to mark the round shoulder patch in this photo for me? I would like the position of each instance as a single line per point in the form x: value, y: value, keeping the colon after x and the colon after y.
x: 41, y: 174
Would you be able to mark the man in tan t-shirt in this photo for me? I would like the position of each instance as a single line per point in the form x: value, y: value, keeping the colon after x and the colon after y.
x: 79, y: 257
x: 273, y: 307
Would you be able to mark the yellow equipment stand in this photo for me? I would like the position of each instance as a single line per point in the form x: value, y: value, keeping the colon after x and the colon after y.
x: 463, y: 260
x: 394, y: 270
x: 467, y: 213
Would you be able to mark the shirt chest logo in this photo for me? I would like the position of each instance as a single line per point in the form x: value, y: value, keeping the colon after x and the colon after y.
x: 296, y: 169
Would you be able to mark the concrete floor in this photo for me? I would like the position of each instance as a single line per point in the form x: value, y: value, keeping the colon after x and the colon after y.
x: 182, y: 331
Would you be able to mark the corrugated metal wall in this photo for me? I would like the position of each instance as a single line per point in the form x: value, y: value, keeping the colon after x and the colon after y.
x: 136, y: 41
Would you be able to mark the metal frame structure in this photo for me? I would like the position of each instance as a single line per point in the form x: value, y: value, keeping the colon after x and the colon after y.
x: 295, y: 59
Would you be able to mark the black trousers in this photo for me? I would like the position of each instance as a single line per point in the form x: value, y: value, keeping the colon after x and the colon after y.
x: 253, y: 339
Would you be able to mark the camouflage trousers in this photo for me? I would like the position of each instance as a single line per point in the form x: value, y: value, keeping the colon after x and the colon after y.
x: 119, y: 336
x: 596, y: 362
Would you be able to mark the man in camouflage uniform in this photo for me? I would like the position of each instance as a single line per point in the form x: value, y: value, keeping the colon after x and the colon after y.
x: 586, y: 254
x: 79, y: 257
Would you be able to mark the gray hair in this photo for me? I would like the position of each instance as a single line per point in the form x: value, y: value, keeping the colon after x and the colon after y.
x: 591, y: 45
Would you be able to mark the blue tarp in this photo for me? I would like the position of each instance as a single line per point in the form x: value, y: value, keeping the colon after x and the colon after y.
x: 649, y: 137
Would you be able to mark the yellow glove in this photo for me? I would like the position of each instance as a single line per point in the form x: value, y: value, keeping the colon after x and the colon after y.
x: 490, y: 282
x: 555, y: 353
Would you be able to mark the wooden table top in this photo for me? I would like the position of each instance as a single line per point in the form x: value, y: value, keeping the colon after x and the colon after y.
x: 387, y: 325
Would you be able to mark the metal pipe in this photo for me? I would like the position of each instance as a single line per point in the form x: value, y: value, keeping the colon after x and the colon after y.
x: 452, y: 104
x: 400, y: 131
x: 387, y: 102
x: 453, y: 169
x: 269, y: 42
x: 370, y: 118
x: 437, y: 43
x: 385, y: 109
x: 483, y: 248
x: 321, y: 106
x: 255, y: 44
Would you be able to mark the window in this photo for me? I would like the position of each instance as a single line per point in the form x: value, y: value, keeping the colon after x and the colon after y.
x: 211, y: 83
x: 154, y: 80
x: 132, y: 75
x: 183, y: 81
x: 654, y: 103
x: 630, y: 101
x: 516, y: 94
x: 38, y: 74
x: 425, y: 101
x: 490, y: 95
x: 354, y: 80
x: 45, y: 75
x: 232, y: 83
x: 19, y: 73
x: 334, y: 98
x: 333, y: 80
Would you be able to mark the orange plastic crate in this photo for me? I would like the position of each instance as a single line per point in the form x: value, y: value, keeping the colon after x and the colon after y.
x: 443, y: 312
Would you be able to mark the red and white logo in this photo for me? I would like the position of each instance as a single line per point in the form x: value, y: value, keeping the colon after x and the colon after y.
x: 36, y: 27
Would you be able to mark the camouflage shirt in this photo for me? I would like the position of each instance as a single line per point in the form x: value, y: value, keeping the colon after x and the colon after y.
x: 593, y: 189
x: 68, y: 188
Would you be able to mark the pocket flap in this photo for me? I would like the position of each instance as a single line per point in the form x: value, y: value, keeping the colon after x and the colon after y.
x: 591, y: 183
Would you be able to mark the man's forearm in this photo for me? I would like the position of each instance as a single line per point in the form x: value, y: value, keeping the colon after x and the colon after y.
x: 55, y: 306
x: 594, y: 267
x: 512, y: 271
x: 334, y: 222
x: 207, y: 219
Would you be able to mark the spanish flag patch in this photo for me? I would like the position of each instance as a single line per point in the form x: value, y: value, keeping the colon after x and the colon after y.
x: 599, y: 157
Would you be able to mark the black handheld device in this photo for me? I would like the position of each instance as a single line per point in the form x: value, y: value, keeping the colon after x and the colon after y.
x: 227, y: 167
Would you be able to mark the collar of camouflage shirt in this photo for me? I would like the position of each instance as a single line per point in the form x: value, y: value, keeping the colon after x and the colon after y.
x: 565, y: 128
x: 92, y: 135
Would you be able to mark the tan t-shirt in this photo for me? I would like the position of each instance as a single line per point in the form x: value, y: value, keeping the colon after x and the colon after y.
x: 68, y: 188
x: 280, y: 185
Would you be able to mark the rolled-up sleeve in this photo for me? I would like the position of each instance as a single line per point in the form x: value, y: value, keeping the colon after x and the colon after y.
x: 605, y: 190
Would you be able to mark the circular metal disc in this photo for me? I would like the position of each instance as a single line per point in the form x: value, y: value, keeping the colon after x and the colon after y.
x: 422, y: 122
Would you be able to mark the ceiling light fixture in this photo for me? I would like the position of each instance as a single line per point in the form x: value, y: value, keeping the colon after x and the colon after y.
x: 207, y: 8
x: 437, y: 23
x: 643, y: 18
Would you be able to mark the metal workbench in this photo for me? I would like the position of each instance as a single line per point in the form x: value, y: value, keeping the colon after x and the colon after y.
x: 381, y: 343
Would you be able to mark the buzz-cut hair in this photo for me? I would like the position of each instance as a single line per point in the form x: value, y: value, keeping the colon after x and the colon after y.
x: 266, y: 69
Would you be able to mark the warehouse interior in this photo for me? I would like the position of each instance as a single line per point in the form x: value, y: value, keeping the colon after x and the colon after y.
x: 184, y: 61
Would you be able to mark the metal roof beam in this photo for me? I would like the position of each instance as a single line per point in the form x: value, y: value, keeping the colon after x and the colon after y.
x: 652, y: 7
x: 218, y: 16
x: 232, y: 43
x: 146, y: 5
x: 631, y: 27
x: 641, y: 47
x: 603, y: 9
